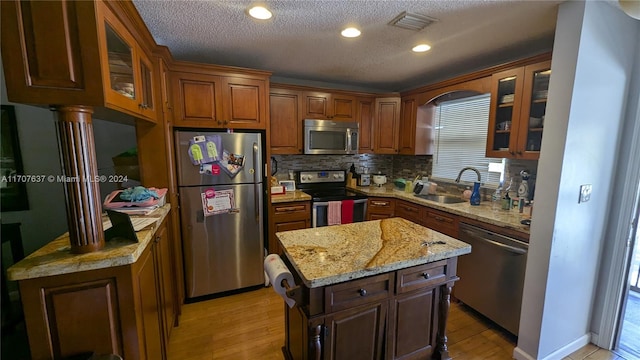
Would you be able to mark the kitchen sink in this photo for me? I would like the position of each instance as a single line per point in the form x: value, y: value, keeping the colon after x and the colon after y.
x: 443, y: 199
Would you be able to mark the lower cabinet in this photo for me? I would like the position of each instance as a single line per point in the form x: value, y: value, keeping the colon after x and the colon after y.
x: 126, y: 310
x: 380, y: 208
x: 287, y: 216
x: 396, y: 315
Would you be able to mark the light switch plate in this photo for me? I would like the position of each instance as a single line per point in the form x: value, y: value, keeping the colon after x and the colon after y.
x: 585, y: 193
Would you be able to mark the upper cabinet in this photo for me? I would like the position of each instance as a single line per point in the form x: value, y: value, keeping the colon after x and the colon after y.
x: 386, y: 125
x: 285, y: 106
x: 518, y: 106
x: 90, y: 53
x: 332, y: 106
x: 127, y: 72
x: 364, y: 115
x: 207, y: 96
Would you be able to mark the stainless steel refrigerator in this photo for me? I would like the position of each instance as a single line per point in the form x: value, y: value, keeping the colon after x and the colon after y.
x: 221, y: 204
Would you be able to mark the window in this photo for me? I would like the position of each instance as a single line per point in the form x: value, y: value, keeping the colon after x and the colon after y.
x: 461, y: 138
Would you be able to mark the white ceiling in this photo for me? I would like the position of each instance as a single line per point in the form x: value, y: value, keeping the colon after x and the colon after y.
x: 302, y: 41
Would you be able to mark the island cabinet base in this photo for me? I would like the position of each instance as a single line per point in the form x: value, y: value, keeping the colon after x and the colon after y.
x: 400, y: 314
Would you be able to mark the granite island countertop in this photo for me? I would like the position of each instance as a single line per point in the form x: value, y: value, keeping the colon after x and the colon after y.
x: 509, y: 219
x: 332, y: 254
x: 55, y: 258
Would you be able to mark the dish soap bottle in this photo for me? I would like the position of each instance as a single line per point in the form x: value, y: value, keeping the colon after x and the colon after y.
x: 475, y: 194
x: 506, y: 200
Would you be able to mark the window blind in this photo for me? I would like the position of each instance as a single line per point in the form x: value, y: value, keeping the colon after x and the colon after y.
x: 461, y: 137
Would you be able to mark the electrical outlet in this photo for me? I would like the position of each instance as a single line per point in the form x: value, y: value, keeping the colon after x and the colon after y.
x: 585, y: 193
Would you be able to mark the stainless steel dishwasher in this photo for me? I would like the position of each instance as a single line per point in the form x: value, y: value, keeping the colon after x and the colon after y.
x: 492, y: 276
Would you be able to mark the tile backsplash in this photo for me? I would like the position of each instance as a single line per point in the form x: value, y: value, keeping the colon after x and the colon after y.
x: 396, y: 166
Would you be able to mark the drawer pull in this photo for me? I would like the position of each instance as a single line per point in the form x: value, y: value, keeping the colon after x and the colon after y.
x: 288, y: 209
x: 426, y: 275
x: 363, y: 292
x: 439, y: 218
x: 378, y: 203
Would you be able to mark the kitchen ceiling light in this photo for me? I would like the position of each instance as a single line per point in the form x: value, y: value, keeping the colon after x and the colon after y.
x: 421, y: 48
x: 350, y: 32
x: 259, y: 12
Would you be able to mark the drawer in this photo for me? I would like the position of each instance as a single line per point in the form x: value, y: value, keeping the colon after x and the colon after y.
x: 420, y: 277
x: 381, y: 205
x: 442, y: 222
x: 411, y: 212
x: 291, y: 211
x: 357, y: 292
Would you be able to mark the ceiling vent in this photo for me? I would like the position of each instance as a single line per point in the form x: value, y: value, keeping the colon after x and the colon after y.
x: 411, y: 21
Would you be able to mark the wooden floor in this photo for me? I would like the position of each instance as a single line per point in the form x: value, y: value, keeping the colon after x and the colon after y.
x: 251, y: 326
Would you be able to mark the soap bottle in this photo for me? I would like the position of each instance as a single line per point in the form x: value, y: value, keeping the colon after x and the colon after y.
x: 475, y: 194
x: 496, y: 198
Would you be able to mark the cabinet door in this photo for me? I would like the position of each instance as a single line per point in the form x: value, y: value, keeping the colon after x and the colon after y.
x: 343, y: 107
x: 504, y: 113
x: 364, y: 114
x: 197, y: 100
x: 408, y: 116
x: 147, y: 293
x: 120, y: 67
x: 285, y: 108
x: 356, y: 333
x: 412, y: 335
x: 534, y: 106
x: 166, y: 282
x: 316, y: 105
x: 147, y: 106
x: 244, y: 103
x: 409, y: 211
x: 387, y: 116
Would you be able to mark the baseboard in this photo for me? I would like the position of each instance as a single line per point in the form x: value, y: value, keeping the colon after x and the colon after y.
x: 559, y: 354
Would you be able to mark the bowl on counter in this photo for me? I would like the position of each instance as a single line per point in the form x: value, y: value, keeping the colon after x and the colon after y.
x: 399, y: 184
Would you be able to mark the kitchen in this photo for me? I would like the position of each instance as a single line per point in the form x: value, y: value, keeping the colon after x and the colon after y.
x: 541, y: 226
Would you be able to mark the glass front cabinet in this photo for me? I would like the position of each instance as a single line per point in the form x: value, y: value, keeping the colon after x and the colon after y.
x: 517, y: 113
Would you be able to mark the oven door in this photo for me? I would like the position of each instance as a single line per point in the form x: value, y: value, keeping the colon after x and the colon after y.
x: 320, y: 212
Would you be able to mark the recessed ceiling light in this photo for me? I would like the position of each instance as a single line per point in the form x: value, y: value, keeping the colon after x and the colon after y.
x: 421, y: 48
x: 350, y: 32
x: 260, y: 12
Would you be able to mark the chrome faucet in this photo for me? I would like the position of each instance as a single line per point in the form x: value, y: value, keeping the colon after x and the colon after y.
x: 468, y: 168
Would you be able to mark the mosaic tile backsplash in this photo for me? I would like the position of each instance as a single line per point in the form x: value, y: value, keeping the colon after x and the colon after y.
x: 398, y: 166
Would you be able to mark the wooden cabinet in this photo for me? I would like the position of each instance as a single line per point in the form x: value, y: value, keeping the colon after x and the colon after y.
x: 518, y: 106
x: 410, y: 211
x: 441, y: 221
x: 394, y: 315
x: 287, y: 216
x: 89, y: 53
x: 326, y: 105
x: 386, y: 125
x: 380, y: 208
x: 285, y: 106
x: 127, y: 71
x: 205, y: 99
x: 126, y: 310
x: 364, y: 114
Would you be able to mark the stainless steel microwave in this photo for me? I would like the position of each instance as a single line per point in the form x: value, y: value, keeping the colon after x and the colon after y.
x: 330, y: 137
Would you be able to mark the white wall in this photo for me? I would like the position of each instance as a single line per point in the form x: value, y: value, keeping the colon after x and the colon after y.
x: 593, y: 59
x: 46, y: 218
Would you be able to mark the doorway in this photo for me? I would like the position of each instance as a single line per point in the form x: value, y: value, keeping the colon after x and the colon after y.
x: 629, y: 330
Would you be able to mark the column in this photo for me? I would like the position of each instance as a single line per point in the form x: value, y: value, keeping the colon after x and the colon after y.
x: 82, y: 191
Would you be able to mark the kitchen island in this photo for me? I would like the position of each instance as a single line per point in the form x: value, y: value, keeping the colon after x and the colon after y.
x: 371, y: 290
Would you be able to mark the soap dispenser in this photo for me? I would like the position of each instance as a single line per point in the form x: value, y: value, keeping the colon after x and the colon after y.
x: 475, y: 194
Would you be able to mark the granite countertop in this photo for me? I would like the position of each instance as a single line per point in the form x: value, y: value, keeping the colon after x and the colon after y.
x: 288, y: 196
x: 55, y: 258
x: 504, y: 218
x: 332, y: 254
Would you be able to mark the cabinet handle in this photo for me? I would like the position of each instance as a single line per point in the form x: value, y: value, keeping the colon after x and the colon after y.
x: 363, y: 292
x: 378, y: 203
x: 438, y: 218
x: 512, y: 153
x: 219, y: 122
x: 519, y: 152
x: 426, y: 275
x: 291, y: 208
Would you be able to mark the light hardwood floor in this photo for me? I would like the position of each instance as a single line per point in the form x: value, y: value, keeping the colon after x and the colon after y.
x: 250, y: 325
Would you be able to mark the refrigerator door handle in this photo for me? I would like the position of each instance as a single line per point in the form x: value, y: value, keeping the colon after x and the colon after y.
x: 255, y: 184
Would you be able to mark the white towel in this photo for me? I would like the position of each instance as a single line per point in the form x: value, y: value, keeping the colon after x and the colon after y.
x: 334, y: 213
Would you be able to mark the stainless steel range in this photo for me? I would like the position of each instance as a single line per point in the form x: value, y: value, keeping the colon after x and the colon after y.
x: 332, y: 203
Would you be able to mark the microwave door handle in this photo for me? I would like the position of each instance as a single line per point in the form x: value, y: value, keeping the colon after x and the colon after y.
x: 348, y: 141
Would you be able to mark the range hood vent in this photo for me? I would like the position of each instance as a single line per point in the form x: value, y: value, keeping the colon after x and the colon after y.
x: 411, y: 21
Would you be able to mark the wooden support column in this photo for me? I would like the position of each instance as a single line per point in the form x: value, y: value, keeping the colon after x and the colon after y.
x: 82, y: 186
